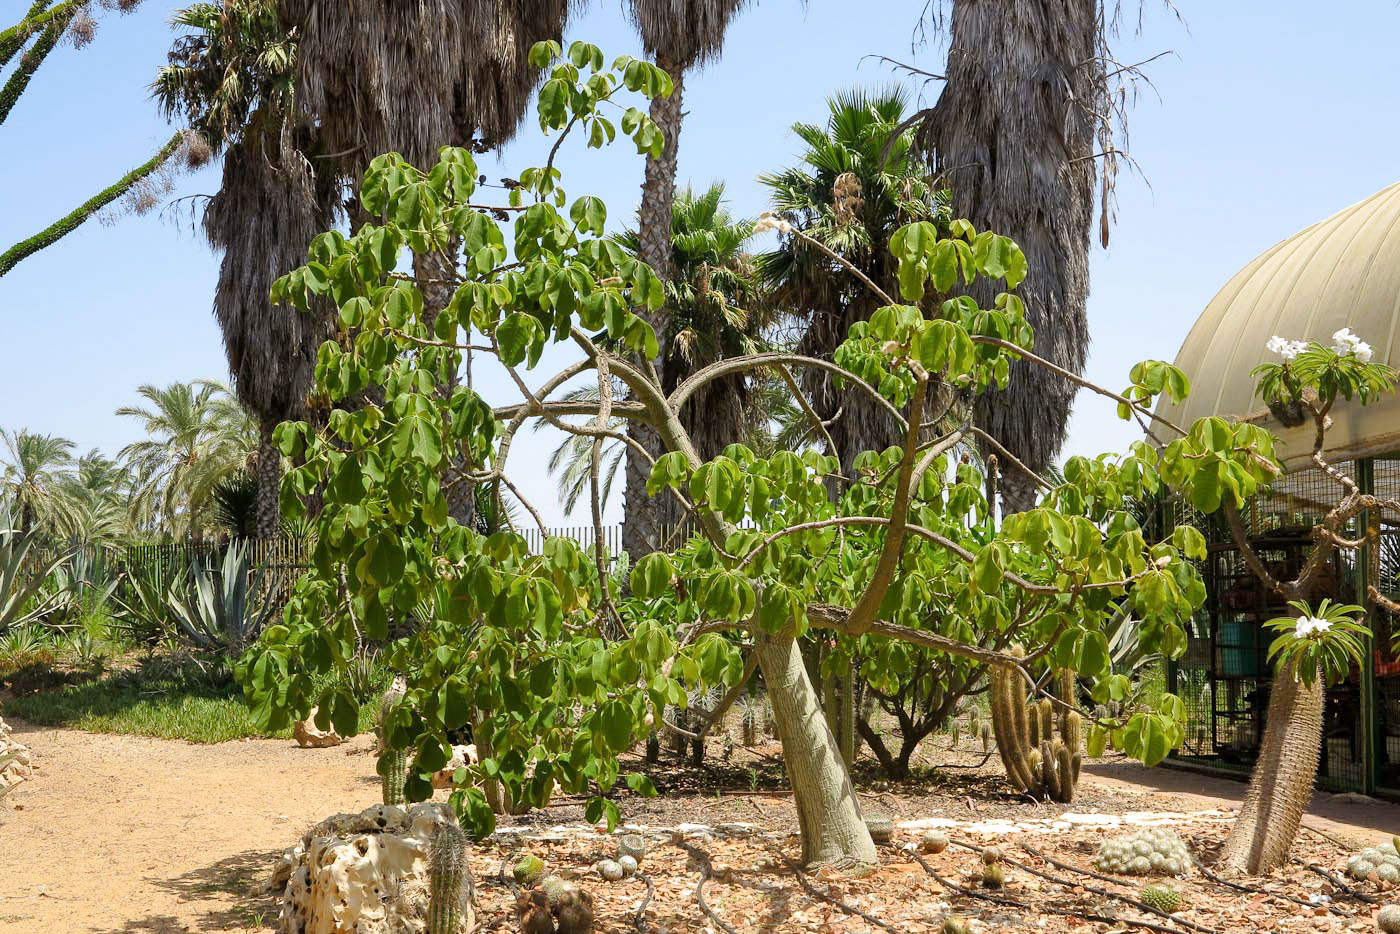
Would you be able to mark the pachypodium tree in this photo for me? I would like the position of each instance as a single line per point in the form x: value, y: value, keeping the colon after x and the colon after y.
x: 555, y: 672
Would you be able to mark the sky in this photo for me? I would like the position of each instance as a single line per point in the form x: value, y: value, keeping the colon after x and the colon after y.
x: 1255, y: 127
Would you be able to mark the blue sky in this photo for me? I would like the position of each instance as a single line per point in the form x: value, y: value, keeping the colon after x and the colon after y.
x: 1259, y: 126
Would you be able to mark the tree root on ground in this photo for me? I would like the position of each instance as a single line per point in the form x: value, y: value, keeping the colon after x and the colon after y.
x: 1255, y: 890
x: 1339, y: 882
x: 707, y: 869
x: 1025, y: 907
x: 830, y: 899
x: 639, y: 920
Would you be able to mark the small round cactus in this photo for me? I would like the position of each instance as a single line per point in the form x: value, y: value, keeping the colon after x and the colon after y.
x: 1154, y: 850
x: 1388, y: 921
x: 528, y: 870
x: 554, y: 888
x: 628, y: 864
x: 993, y: 875
x: 1381, y: 863
x: 955, y: 924
x: 934, y: 841
x: 881, y: 829
x: 1162, y: 897
x: 633, y: 845
x: 990, y: 856
x: 610, y: 869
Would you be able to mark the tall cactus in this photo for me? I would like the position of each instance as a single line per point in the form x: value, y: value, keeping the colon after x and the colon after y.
x: 448, y: 874
x: 393, y: 770
x: 1037, y: 761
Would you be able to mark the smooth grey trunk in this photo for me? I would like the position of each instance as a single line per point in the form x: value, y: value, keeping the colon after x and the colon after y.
x: 828, y: 811
x: 847, y: 717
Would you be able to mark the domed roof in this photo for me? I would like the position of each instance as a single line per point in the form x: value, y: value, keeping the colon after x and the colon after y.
x: 1340, y: 272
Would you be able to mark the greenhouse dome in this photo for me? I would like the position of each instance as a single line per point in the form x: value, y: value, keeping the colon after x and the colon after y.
x: 1341, y: 272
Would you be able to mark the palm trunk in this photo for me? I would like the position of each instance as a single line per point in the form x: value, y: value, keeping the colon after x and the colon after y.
x: 1282, y: 781
x: 269, y: 470
x: 1013, y: 133
x: 645, y: 518
x: 828, y: 812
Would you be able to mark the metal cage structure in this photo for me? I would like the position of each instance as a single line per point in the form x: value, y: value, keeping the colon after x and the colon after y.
x: 1224, y: 676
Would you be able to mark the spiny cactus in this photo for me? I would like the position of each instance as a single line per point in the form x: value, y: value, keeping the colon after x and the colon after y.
x: 528, y: 870
x: 955, y: 924
x: 881, y: 828
x: 993, y: 875
x: 1037, y: 761
x: 1382, y: 862
x: 1147, y: 851
x: 933, y: 841
x: 449, y: 877
x: 1388, y: 921
x: 1162, y: 897
x: 752, y: 720
x: 393, y: 771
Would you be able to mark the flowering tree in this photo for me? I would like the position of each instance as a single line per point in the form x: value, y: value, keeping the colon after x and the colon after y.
x: 1313, y: 646
x: 557, y: 673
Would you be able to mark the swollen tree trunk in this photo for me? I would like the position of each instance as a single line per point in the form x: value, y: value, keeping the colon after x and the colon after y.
x: 269, y: 469
x: 1014, y: 135
x: 1282, y: 781
x: 645, y: 518
x: 828, y: 812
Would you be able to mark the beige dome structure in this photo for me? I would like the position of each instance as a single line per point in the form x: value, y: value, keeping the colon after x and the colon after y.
x: 1340, y: 272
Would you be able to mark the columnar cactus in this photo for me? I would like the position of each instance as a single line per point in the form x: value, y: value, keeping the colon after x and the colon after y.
x: 448, y: 875
x: 1037, y: 761
x: 393, y: 770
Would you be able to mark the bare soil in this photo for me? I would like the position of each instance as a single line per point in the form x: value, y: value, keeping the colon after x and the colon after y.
x: 128, y: 834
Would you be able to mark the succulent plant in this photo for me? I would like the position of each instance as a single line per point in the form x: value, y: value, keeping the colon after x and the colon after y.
x: 1037, y: 761
x: 628, y: 864
x: 1164, y: 898
x: 1388, y: 921
x: 881, y: 829
x: 393, y: 769
x: 554, y: 887
x: 990, y: 855
x: 955, y: 924
x: 528, y: 869
x: 1154, y: 850
x: 933, y: 841
x: 633, y: 845
x: 610, y: 869
x: 993, y: 875
x: 449, y: 877
x: 1382, y: 862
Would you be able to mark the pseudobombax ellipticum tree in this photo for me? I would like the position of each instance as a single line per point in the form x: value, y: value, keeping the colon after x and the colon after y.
x: 557, y: 672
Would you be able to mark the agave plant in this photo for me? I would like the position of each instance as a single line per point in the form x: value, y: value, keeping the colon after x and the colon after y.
x: 144, y: 614
x: 221, y: 612
x: 22, y: 598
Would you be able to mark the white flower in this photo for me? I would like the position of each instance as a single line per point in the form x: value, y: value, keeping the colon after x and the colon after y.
x: 1362, y: 351
x: 1307, y: 625
x: 1285, y: 348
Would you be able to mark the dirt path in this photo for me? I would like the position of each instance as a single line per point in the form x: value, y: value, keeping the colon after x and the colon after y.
x: 130, y: 834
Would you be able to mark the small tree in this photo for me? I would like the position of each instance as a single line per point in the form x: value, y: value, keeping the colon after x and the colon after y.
x: 556, y: 673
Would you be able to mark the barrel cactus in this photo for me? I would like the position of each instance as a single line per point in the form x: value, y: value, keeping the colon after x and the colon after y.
x: 955, y: 924
x: 881, y: 829
x: 449, y: 880
x: 528, y: 869
x: 1381, y: 863
x: 1388, y: 921
x: 933, y: 841
x: 1164, y: 898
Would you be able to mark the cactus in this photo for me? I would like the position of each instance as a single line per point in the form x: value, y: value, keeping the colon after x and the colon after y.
x: 448, y: 880
x: 955, y: 924
x: 753, y: 720
x: 934, y: 841
x: 1037, y: 761
x: 1162, y: 897
x: 1382, y: 862
x: 986, y: 739
x: 993, y: 875
x: 393, y: 769
x: 1388, y: 921
x: 1154, y: 850
x: 528, y: 870
x: 881, y: 829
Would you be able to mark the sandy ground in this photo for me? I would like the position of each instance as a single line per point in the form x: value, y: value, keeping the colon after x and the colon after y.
x: 129, y: 834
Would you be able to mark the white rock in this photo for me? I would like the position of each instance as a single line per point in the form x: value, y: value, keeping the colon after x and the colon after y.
x: 310, y: 736
x: 462, y: 756
x: 363, y: 873
x: 17, y: 769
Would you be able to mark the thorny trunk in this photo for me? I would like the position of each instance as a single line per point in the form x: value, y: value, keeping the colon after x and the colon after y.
x: 1282, y: 781
x: 1014, y: 135
x: 269, y: 474
x: 828, y: 812
x: 645, y: 518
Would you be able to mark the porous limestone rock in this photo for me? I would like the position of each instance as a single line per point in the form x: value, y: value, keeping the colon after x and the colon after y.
x: 310, y: 736
x: 365, y: 873
x: 15, y: 762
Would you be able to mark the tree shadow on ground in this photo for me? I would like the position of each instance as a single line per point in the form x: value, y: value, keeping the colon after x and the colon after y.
x: 232, y: 895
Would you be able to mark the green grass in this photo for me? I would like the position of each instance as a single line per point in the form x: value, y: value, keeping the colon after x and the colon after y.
x: 165, y: 708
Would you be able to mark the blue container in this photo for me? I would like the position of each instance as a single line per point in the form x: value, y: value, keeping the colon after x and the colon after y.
x: 1239, y: 648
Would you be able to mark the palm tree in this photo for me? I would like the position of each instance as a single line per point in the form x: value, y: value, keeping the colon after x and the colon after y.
x: 716, y: 309
x: 299, y: 97
x: 1015, y: 133
x: 198, y: 435
x: 858, y: 182
x: 35, y: 467
x: 678, y: 37
x: 94, y: 501
x: 571, y: 462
